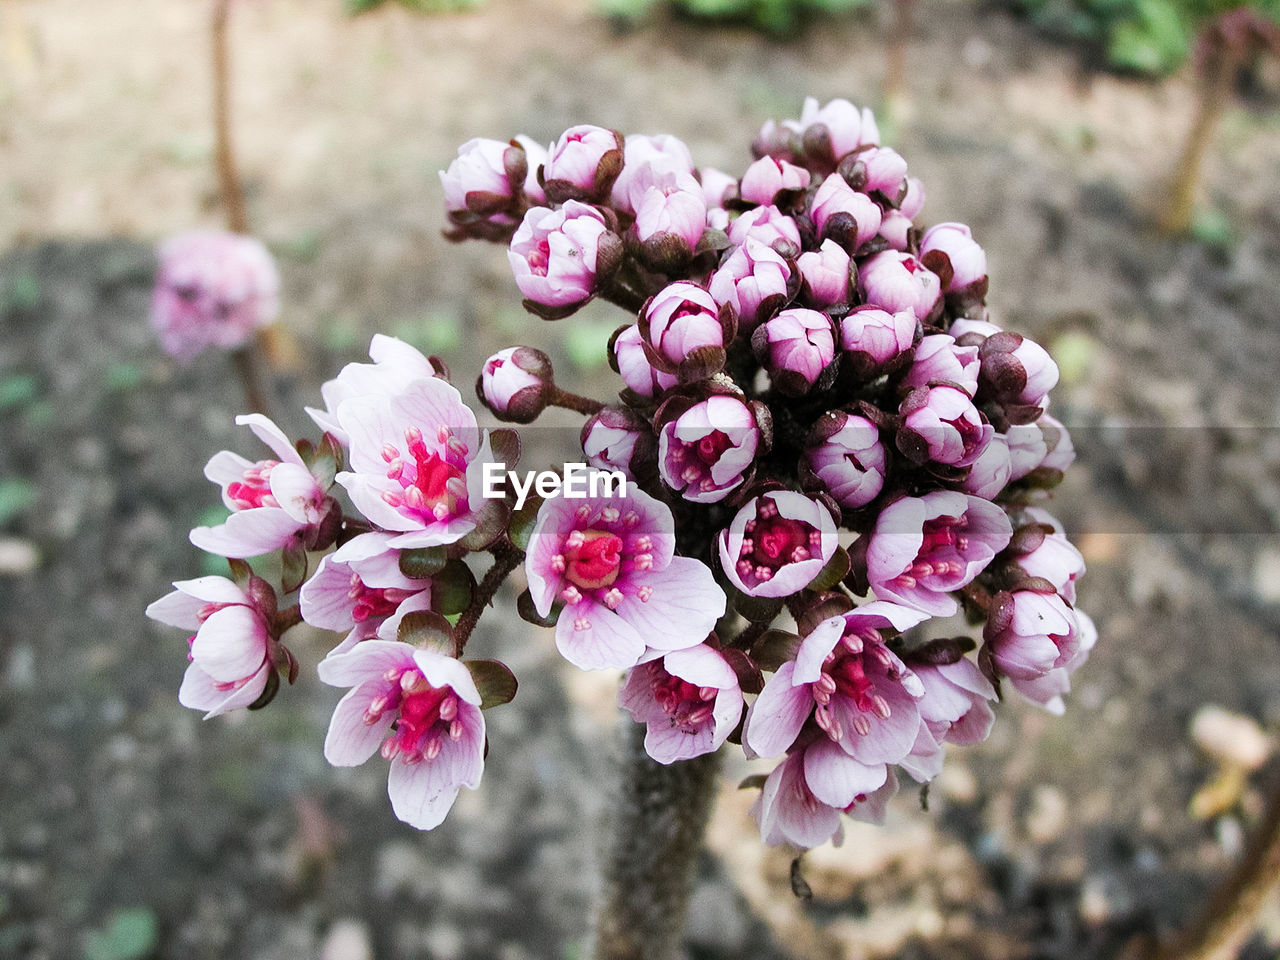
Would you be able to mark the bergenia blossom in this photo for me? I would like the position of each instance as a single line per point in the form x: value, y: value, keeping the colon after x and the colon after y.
x: 275, y: 502
x: 610, y: 561
x: 690, y: 700
x: 416, y: 462
x: 705, y: 453
x: 395, y: 365
x: 777, y: 544
x: 231, y: 650
x: 421, y: 710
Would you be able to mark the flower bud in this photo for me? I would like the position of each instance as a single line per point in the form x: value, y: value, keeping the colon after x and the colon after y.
x: 1043, y: 443
x: 835, y: 129
x: 634, y: 366
x: 824, y: 275
x: 767, y: 225
x: 514, y: 383
x: 1018, y: 372
x: 717, y: 186
x: 1031, y: 632
x: 706, y: 452
x: 650, y: 161
x: 990, y: 473
x: 670, y: 220
x: 845, y: 453
x: 753, y: 280
x: 555, y: 254
x: 953, y: 244
x: 681, y: 323
x: 767, y: 177
x: 895, y: 228
x: 617, y: 439
x: 843, y: 214
x: 777, y: 544
x: 941, y: 425
x: 877, y: 170
x: 583, y: 164
x: 213, y: 289
x: 795, y: 346
x: 875, y: 337
x: 898, y: 281
x: 938, y: 358
x: 913, y: 201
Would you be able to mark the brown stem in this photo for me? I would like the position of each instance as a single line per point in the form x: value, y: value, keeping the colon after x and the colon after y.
x: 245, y: 361
x: 1215, y: 90
x: 224, y: 152
x: 660, y: 815
x: 1232, y: 911
x: 574, y: 402
x: 895, y: 71
x: 505, y: 559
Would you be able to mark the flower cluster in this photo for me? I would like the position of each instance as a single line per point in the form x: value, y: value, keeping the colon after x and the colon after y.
x: 821, y: 444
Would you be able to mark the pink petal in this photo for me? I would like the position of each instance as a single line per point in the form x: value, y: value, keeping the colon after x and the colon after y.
x: 666, y: 742
x: 248, y: 533
x: 605, y: 641
x: 442, y: 671
x: 177, y: 609
x: 231, y: 644
x: 422, y: 793
x: 271, y: 435
x: 199, y: 692
x: 813, y: 651
x: 350, y: 741
x: 836, y: 778
x: 778, y: 714
x: 701, y: 666
x: 297, y: 492
x: 368, y: 660
x: 682, y: 610
x: 324, y: 597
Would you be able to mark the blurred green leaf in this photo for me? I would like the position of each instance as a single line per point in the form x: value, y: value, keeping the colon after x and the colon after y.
x: 16, y: 496
x: 1212, y: 228
x: 21, y: 291
x: 18, y: 390
x: 130, y: 935
x: 587, y: 344
x: 123, y: 376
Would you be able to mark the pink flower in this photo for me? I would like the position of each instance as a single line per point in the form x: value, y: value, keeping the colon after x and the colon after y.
x: 913, y: 202
x: 359, y: 587
x: 990, y: 473
x: 582, y: 164
x: 275, y: 502
x: 941, y: 425
x: 777, y: 544
x: 677, y: 211
x: 922, y: 548
x: 554, y: 254
x: 690, y: 700
x: 843, y: 214
x: 514, y: 383
x: 1017, y: 370
x: 859, y: 693
x: 885, y: 172
x: 717, y: 186
x: 939, y: 359
x: 753, y: 280
x: 796, y: 346
x: 634, y: 366
x: 845, y: 127
x: 767, y: 225
x: 395, y: 366
x: 213, y: 289
x: 849, y: 460
x: 897, y: 281
x: 875, y: 337
x: 611, y: 562
x: 824, y: 274
x: 1047, y: 691
x: 895, y: 229
x: 416, y: 463
x: 1031, y: 633
x: 649, y: 161
x: 766, y: 177
x: 955, y: 705
x: 1049, y: 555
x: 679, y: 322
x: 230, y: 652
x: 803, y: 797
x: 487, y: 175
x: 704, y: 453
x: 1044, y: 443
x: 954, y: 242
x: 616, y: 439
x: 422, y: 708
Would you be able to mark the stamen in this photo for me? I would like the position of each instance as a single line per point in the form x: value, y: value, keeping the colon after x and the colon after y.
x: 557, y: 563
x: 609, y: 514
x: 581, y: 624
x: 644, y: 593
x: 612, y: 598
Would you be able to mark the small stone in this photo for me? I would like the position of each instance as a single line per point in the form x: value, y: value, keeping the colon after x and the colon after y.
x: 1231, y: 738
x: 1266, y: 575
x: 347, y: 940
x: 1048, y: 814
x: 957, y: 782
x: 17, y: 557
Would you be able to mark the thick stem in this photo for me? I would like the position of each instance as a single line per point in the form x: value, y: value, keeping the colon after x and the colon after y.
x: 660, y: 814
x: 223, y: 150
x: 1232, y: 913
x: 895, y: 72
x: 574, y: 402
x: 245, y: 361
x: 505, y: 559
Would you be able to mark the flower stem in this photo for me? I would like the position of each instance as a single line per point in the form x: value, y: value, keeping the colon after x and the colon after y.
x: 1216, y: 75
x: 1231, y: 913
x: 505, y: 559
x: 245, y: 361
x: 224, y: 152
x: 574, y: 402
x: 660, y: 815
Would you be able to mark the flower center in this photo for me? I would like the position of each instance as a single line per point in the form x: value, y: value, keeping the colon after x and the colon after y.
x: 711, y: 446
x: 368, y: 602
x: 844, y: 674
x: 427, y: 715
x: 941, y: 551
x: 254, y: 488
x: 433, y: 482
x: 540, y: 257
x: 688, y: 706
x: 772, y: 541
x: 594, y: 562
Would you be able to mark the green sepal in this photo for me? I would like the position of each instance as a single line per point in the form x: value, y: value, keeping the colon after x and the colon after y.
x: 774, y: 649
x: 756, y: 609
x: 529, y: 613
x: 491, y: 521
x: 241, y: 572
x: 836, y: 569
x: 268, y: 692
x: 521, y: 526
x: 419, y: 563
x: 505, y: 445
x: 453, y: 588
x: 293, y: 566
x: 495, y: 681
x: 427, y: 630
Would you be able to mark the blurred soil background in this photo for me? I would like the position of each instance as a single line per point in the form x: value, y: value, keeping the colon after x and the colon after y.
x: 130, y: 829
